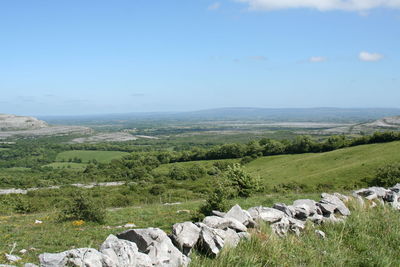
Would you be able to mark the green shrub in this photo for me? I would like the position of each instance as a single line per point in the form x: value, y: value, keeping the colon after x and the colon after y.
x: 388, y: 175
x: 157, y: 190
x: 82, y: 207
x: 244, y: 183
x: 22, y: 205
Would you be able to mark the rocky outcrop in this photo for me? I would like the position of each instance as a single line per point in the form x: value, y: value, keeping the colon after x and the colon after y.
x: 14, y: 123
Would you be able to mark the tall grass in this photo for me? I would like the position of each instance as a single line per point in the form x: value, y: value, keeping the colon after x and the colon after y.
x: 369, y: 237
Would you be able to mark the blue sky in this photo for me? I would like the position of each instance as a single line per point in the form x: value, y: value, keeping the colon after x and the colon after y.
x: 100, y: 56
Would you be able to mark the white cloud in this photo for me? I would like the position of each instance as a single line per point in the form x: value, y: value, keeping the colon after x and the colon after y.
x: 322, y: 5
x: 366, y: 56
x: 317, y: 59
x: 214, y: 6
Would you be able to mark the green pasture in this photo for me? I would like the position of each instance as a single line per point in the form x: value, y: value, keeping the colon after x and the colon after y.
x: 339, y: 168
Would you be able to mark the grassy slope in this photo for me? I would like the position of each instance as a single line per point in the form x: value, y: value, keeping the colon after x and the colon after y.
x: 340, y: 167
x: 86, y: 156
x: 52, y: 236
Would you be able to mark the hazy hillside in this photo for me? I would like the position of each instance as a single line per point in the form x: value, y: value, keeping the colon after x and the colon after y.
x: 12, y: 122
x: 350, y: 115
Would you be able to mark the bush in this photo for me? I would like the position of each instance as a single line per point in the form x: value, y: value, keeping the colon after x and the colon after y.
x: 388, y: 175
x: 157, y: 190
x: 82, y: 207
x: 217, y: 199
x: 23, y: 206
x: 244, y: 183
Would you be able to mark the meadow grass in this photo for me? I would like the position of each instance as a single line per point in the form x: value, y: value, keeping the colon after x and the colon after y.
x: 339, y: 168
x: 369, y: 237
x: 54, y: 236
x: 86, y: 156
x: 67, y: 165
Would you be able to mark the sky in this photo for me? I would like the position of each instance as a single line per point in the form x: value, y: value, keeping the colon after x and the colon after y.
x: 71, y: 57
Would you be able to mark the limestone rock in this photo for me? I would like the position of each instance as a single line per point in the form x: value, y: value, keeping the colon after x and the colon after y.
x: 157, y: 245
x: 87, y: 257
x: 218, y: 213
x: 333, y: 200
x: 320, y: 233
x: 243, y: 216
x: 185, y: 236
x: 269, y: 215
x: 224, y: 223
x: 124, y: 252
x: 288, y: 210
x: 211, y: 240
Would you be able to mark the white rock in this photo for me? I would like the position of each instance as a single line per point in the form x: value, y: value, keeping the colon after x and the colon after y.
x: 157, y: 245
x: 224, y: 223
x: 185, y: 236
x: 12, y: 258
x: 124, y: 252
x: 87, y: 257
x: 320, y: 234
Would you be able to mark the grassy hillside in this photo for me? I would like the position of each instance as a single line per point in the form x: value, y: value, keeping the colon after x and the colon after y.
x: 86, y: 156
x: 343, y: 167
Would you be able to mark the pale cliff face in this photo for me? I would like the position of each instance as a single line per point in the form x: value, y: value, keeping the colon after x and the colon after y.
x: 13, y: 122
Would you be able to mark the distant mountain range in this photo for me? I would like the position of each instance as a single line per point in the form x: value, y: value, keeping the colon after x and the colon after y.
x: 344, y: 115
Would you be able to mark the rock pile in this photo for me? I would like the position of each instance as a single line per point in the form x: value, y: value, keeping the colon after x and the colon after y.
x: 153, y: 247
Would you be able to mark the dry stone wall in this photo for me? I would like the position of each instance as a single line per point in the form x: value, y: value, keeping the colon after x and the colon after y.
x: 153, y: 247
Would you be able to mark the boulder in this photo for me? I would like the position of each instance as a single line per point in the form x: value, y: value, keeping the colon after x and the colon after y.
x: 231, y: 238
x: 288, y: 210
x: 185, y: 236
x: 281, y: 228
x: 310, y: 204
x: 327, y: 209
x: 396, y: 188
x: 87, y: 257
x: 302, y: 212
x: 124, y: 253
x: 316, y: 218
x: 211, y: 240
x: 333, y: 200
x: 367, y: 192
x: 218, y: 213
x: 295, y: 226
x: 341, y: 197
x: 244, y: 235
x: 157, y: 245
x: 224, y: 223
x: 269, y: 215
x: 243, y: 216
x: 30, y: 265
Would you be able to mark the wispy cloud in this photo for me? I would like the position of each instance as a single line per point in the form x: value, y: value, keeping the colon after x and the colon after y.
x: 258, y: 58
x: 366, y: 56
x: 322, y: 5
x: 214, y: 6
x: 317, y: 59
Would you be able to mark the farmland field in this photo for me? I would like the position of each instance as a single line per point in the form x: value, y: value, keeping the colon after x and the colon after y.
x: 67, y: 165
